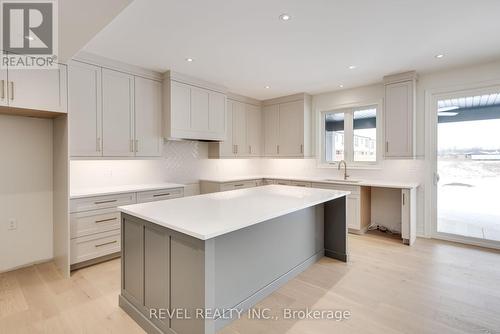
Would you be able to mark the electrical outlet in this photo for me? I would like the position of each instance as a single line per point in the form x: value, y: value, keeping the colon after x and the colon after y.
x: 12, y: 225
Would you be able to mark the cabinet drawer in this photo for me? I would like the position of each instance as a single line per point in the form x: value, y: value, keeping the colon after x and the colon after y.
x: 92, y: 222
x: 284, y: 182
x: 355, y: 190
x: 95, y: 245
x: 101, y: 202
x: 159, y: 195
x: 301, y: 184
x: 238, y: 185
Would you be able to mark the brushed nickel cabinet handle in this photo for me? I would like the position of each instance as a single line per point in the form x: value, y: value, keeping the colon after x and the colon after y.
x: 386, y: 147
x: 105, y: 220
x: 404, y: 199
x: 98, y: 144
x: 137, y: 145
x: 250, y: 149
x: 106, y: 243
x: 131, y: 145
x: 160, y: 195
x: 105, y: 202
x: 11, y: 91
x: 301, y: 148
x: 239, y: 185
x: 278, y: 149
x: 236, y: 149
x: 2, y: 82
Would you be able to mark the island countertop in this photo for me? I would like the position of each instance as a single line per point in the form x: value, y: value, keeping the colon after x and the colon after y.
x: 211, y: 215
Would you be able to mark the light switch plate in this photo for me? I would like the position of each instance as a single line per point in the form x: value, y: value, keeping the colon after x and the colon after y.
x: 12, y: 225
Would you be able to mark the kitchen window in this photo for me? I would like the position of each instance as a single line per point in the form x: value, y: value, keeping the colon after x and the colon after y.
x: 350, y: 134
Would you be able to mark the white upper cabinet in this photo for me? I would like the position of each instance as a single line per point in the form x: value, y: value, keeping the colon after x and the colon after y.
x: 400, y: 115
x: 43, y: 90
x: 148, y: 136
x: 254, y: 130
x: 243, y: 134
x: 239, y: 129
x: 117, y: 114
x: 271, y: 119
x: 84, y: 105
x: 3, y: 88
x: 287, y: 126
x: 192, y: 109
x: 112, y: 113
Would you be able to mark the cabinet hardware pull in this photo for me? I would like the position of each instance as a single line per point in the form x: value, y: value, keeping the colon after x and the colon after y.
x: 386, y: 146
x: 98, y: 144
x: 404, y: 199
x: 105, y: 220
x: 106, y: 243
x: 250, y: 149
x: 137, y: 145
x: 131, y: 145
x: 12, y: 90
x: 104, y: 202
x: 302, y: 148
x: 234, y: 150
x: 278, y: 149
x: 239, y: 185
x: 159, y: 195
x: 3, y: 89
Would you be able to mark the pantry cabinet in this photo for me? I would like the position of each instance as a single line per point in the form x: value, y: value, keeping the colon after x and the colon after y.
x: 192, y: 110
x: 400, y: 104
x: 112, y: 113
x: 243, y: 135
x: 287, y: 127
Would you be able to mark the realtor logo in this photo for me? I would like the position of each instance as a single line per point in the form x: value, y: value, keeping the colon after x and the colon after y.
x: 29, y: 34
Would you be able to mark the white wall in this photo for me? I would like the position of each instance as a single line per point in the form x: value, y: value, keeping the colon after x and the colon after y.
x: 25, y: 190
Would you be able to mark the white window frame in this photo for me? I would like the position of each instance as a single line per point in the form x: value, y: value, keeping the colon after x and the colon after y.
x: 348, y: 111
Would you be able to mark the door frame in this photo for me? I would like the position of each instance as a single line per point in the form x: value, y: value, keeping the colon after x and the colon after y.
x: 431, y: 99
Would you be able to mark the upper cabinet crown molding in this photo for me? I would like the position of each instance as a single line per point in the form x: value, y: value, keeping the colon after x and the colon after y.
x: 93, y: 59
x: 400, y: 77
x: 243, y: 99
x: 192, y: 81
x: 288, y: 98
x: 193, y: 111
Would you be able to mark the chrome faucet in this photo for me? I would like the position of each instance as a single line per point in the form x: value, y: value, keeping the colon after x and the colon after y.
x: 345, y: 168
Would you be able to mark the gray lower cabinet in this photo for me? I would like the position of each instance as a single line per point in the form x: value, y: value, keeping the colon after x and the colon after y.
x: 95, y: 223
x: 214, y: 186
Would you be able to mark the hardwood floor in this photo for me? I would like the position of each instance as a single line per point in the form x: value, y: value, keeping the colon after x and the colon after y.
x: 433, y: 287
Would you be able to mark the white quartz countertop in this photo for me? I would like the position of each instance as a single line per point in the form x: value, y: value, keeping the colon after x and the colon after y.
x: 315, y: 179
x: 211, y: 215
x: 113, y: 190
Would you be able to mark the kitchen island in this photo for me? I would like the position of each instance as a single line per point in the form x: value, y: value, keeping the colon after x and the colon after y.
x: 189, y: 263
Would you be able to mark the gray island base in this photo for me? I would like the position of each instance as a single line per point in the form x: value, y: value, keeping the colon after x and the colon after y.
x: 173, y: 282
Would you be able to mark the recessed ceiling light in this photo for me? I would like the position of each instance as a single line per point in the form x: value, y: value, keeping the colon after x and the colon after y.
x: 285, y: 17
x: 189, y: 60
x: 341, y: 86
x: 439, y: 56
x: 267, y: 87
x: 352, y: 67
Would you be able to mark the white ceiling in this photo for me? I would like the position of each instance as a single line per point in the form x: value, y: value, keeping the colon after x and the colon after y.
x: 244, y: 46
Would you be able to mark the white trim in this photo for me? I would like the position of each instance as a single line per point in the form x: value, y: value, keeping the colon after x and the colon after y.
x: 432, y: 96
x: 347, y: 109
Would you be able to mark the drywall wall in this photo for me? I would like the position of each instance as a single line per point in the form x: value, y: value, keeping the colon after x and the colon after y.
x: 25, y: 190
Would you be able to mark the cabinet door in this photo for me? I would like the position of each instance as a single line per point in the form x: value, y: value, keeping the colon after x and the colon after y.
x: 271, y: 129
x: 239, y: 129
x: 217, y: 114
x: 3, y: 88
x: 117, y: 114
x: 199, y: 110
x: 291, y: 125
x: 226, y: 147
x: 352, y: 212
x: 180, y: 107
x: 84, y: 106
x: 147, y: 98
x: 38, y: 89
x: 254, y: 130
x: 399, y: 105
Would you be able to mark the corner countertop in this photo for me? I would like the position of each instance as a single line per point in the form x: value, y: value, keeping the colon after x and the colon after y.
x: 113, y: 190
x: 208, y: 216
x: 316, y: 179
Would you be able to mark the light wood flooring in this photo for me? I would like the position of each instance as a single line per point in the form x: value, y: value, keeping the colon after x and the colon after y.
x: 432, y: 287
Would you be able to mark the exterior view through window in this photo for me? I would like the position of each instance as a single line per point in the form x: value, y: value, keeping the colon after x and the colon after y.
x: 351, y: 135
x: 469, y: 166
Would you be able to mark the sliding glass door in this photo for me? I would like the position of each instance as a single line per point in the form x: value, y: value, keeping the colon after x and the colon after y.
x: 468, y: 168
